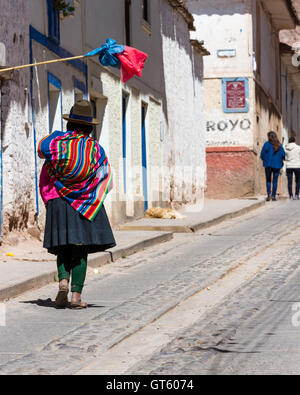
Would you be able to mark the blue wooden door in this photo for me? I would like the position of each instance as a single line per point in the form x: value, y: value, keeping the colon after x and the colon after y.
x: 144, y: 157
x: 124, y: 135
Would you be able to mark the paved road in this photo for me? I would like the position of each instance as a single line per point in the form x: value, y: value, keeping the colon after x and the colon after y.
x: 249, y: 331
x: 254, y: 331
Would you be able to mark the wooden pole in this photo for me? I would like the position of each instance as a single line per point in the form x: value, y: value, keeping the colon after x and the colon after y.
x: 40, y: 63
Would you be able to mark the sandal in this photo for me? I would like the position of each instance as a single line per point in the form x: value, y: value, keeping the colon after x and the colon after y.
x: 62, y: 297
x: 78, y: 305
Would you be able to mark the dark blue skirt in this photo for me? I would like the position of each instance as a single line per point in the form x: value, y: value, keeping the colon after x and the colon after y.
x: 65, y: 226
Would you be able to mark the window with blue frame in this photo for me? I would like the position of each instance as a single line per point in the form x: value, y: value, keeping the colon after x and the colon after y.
x: 144, y: 155
x: 94, y: 107
x: 54, y: 103
x: 124, y: 138
x: 53, y: 22
x: 80, y: 92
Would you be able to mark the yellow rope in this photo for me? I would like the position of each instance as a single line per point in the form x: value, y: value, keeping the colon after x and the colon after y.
x: 40, y: 63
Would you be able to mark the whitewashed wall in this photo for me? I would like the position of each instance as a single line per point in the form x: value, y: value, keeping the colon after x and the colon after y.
x: 65, y: 73
x: 225, y: 25
x: 17, y: 143
x: 80, y: 34
x: 290, y: 94
x: 184, y: 149
x: 170, y: 134
x: 146, y: 89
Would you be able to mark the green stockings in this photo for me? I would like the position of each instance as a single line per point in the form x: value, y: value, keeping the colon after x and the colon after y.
x: 72, y: 262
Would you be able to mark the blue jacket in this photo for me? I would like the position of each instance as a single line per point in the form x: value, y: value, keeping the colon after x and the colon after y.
x: 270, y: 158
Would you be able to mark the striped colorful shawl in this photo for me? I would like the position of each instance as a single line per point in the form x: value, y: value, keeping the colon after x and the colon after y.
x: 80, y: 169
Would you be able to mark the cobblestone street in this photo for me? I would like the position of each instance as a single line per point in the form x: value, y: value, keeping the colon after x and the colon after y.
x: 251, y: 332
x: 248, y: 330
x: 149, y: 189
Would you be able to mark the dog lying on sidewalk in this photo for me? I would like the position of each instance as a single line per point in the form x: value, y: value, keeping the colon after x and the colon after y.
x: 163, y: 213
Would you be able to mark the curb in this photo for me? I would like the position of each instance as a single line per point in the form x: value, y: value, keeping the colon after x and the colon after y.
x: 158, y: 228
x: 224, y: 217
x: 25, y: 286
x: 134, y: 248
x: 95, y: 261
x: 202, y: 225
x: 110, y: 256
x: 99, y: 260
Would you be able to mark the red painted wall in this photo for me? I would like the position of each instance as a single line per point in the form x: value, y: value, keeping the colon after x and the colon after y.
x: 230, y: 172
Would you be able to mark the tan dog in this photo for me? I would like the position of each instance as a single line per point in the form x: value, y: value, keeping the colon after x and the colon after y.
x: 163, y: 213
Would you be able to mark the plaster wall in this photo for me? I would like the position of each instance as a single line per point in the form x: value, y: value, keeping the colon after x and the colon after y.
x: 105, y: 87
x: 184, y: 137
x: 66, y: 74
x: 17, y: 139
x: 224, y: 25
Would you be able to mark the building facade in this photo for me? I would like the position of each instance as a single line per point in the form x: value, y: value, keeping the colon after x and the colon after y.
x: 150, y: 127
x: 290, y: 82
x: 242, y: 88
x: 290, y: 85
x: 16, y: 145
x: 183, y: 104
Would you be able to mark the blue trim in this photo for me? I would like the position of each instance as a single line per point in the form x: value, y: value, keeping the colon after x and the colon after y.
x: 144, y: 158
x: 62, y: 53
x: 54, y: 81
x: 57, y: 83
x: 124, y: 137
x: 59, y: 51
x: 94, y: 106
x: 224, y: 94
x: 53, y: 22
x: 80, y: 86
x: 34, y: 132
x: 36, y: 172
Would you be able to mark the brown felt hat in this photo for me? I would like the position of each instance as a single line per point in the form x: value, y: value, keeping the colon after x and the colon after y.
x: 82, y: 112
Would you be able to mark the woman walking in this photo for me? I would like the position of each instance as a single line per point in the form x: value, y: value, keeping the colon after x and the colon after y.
x: 293, y: 166
x: 74, y: 182
x: 272, y: 155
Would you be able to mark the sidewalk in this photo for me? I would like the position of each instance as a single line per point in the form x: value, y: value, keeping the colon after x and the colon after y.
x: 213, y: 212
x: 32, y: 267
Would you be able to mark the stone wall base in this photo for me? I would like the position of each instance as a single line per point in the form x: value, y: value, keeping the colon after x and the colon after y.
x: 230, y: 172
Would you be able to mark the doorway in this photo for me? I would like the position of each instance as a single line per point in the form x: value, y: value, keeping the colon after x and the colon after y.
x: 144, y: 156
